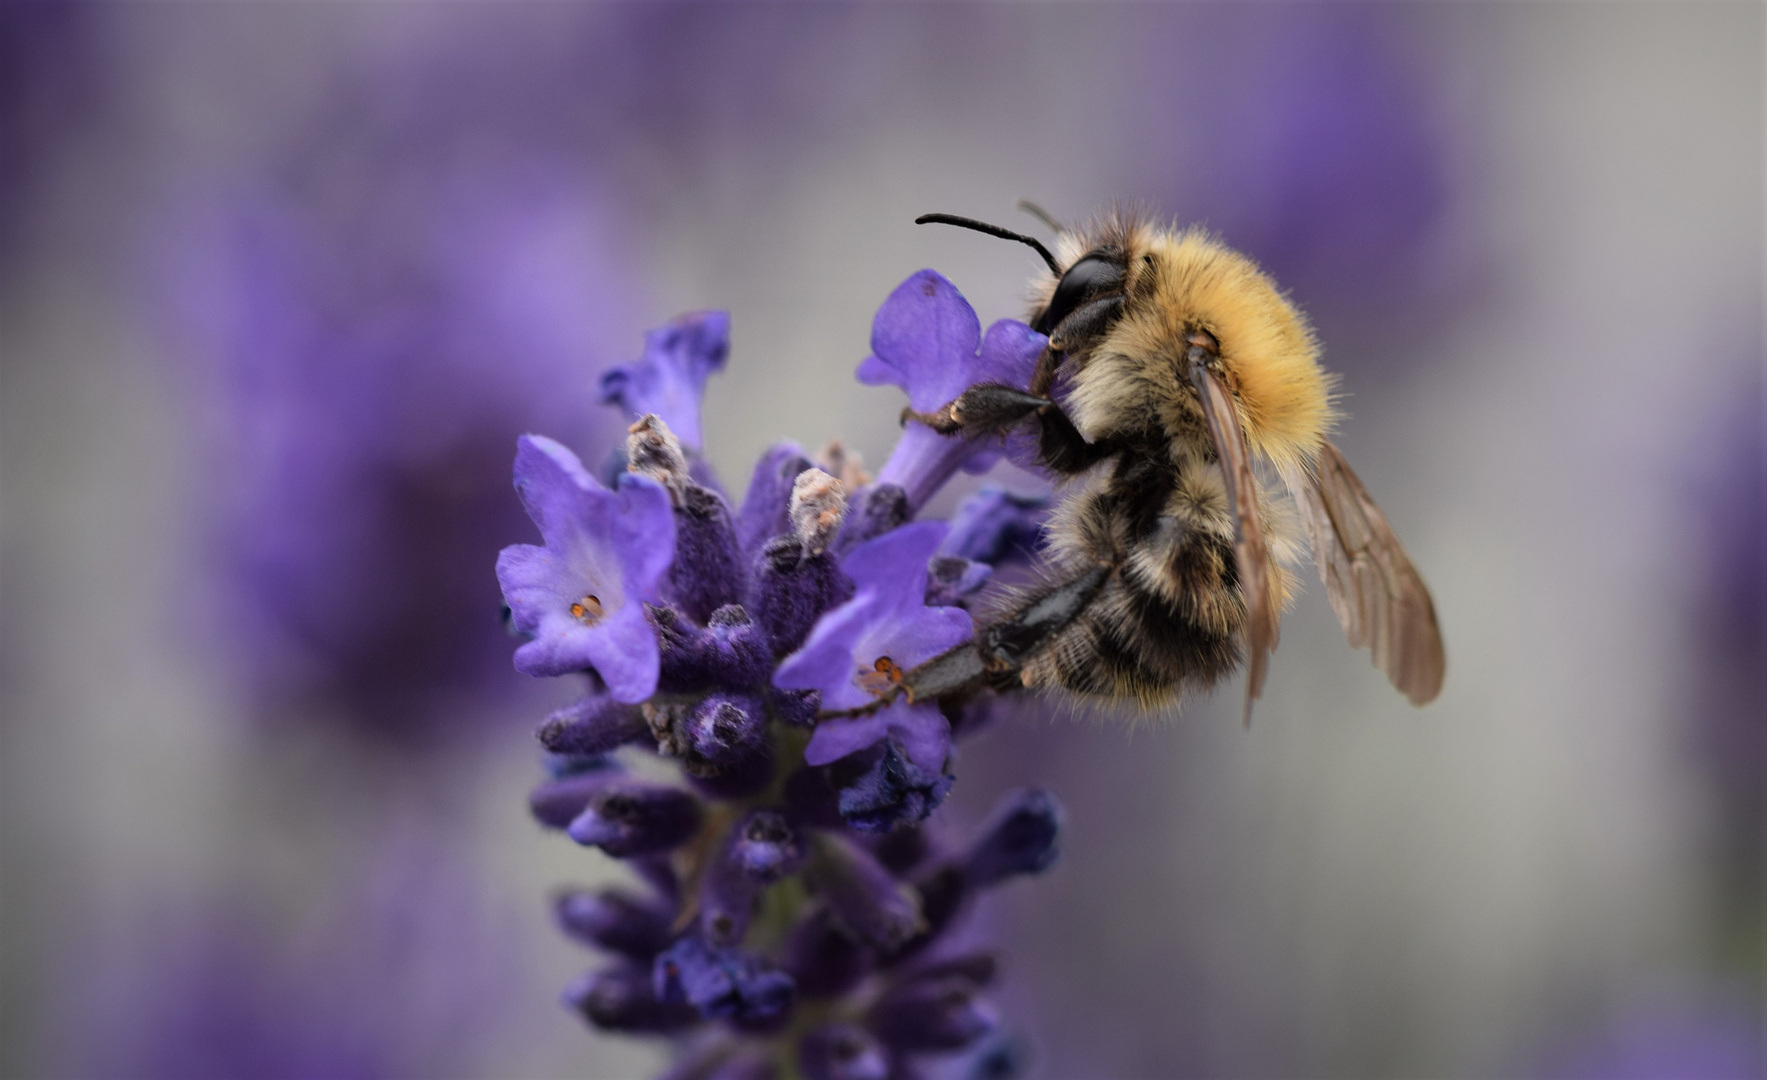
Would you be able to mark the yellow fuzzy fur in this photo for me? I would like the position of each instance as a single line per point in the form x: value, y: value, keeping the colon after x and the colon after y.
x: 1180, y: 281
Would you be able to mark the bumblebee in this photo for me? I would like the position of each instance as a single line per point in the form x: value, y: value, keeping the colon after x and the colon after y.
x: 1179, y: 392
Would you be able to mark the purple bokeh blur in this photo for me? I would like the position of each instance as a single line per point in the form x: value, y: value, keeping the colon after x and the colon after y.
x: 281, y: 285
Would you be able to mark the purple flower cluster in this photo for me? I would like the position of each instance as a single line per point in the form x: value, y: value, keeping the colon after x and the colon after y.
x: 795, y: 904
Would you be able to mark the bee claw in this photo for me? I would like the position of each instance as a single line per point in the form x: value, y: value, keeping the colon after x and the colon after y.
x: 945, y: 421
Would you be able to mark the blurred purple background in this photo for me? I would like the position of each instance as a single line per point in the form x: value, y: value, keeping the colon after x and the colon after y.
x: 280, y: 285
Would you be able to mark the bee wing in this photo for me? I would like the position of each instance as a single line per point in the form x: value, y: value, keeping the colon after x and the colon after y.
x: 1380, y: 599
x: 1250, y: 553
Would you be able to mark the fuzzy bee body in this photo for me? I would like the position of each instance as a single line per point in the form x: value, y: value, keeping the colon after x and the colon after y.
x: 1169, y: 616
x: 1174, y: 367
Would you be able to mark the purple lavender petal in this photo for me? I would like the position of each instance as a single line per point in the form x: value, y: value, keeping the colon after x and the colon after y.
x: 923, y: 460
x: 557, y: 803
x: 873, y: 906
x: 721, y: 982
x: 921, y: 731
x: 629, y: 818
x: 994, y: 525
x: 580, y: 597
x: 933, y: 1014
x: 616, y: 920
x: 825, y: 661
x: 1020, y: 838
x: 622, y: 998
x: 893, y: 792
x: 927, y: 340
x: 923, y: 338
x: 594, y: 725
x: 888, y: 618
x: 671, y: 377
x: 766, y: 508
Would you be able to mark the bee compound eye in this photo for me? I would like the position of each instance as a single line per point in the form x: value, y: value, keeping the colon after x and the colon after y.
x: 1093, y: 274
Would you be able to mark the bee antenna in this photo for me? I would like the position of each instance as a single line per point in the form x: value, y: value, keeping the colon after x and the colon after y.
x: 992, y: 230
x: 1041, y: 214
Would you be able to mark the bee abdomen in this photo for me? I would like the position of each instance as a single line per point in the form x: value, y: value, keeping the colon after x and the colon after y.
x: 1133, y: 642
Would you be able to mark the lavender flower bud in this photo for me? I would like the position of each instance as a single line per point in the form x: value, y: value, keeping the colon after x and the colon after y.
x: 995, y: 526
x: 556, y: 803
x: 818, y: 505
x: 766, y: 508
x: 823, y: 958
x: 721, y: 740
x: 1019, y: 839
x: 621, y: 998
x: 893, y: 792
x: 760, y: 849
x: 757, y: 851
x: 944, y: 1013
x: 595, y: 725
x: 617, y: 921
x: 721, y: 982
x: 708, y: 571
x: 629, y: 818
x: 721, y: 731
x: 873, y: 906
x: 882, y: 508
x: 726, y: 904
x: 943, y: 894
x: 730, y: 653
x: 791, y: 589
x: 842, y: 1052
x: 951, y: 578
x: 765, y: 848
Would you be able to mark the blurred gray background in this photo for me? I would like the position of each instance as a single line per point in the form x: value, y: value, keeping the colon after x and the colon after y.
x: 243, y: 836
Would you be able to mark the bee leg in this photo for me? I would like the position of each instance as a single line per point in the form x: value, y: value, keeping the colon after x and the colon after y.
x: 983, y: 409
x: 1000, y: 651
x: 994, y: 408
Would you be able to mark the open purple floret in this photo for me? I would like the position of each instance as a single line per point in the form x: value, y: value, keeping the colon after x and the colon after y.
x: 792, y: 864
x: 927, y: 340
x: 580, y: 598
x: 671, y: 376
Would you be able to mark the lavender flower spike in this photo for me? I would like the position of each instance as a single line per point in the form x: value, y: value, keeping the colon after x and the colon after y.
x: 668, y: 381
x: 927, y: 340
x: 856, y: 654
x: 581, y: 597
x: 766, y: 654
